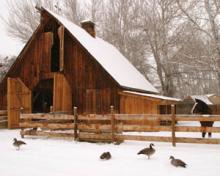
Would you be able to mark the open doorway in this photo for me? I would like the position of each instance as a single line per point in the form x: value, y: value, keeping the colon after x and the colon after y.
x: 55, y: 53
x: 42, y: 97
x: 52, y: 27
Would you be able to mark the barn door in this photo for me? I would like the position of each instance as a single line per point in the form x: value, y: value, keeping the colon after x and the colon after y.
x: 62, y: 94
x: 18, y: 96
x: 61, y: 37
x: 46, y: 44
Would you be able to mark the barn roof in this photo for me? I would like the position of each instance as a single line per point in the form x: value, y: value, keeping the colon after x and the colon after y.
x: 122, y: 71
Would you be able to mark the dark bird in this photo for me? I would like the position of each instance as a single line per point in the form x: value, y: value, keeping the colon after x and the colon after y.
x: 18, y: 143
x: 148, y: 151
x: 177, y: 162
x: 106, y: 156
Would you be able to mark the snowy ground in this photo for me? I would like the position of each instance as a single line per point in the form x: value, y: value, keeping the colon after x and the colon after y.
x: 56, y: 157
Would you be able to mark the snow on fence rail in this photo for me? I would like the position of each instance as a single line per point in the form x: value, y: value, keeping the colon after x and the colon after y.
x: 115, y: 127
x: 3, y: 119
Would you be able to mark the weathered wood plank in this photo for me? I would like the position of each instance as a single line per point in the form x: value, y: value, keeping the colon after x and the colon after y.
x: 198, y: 118
x: 51, y: 126
x: 198, y: 140
x: 3, y: 117
x: 173, y: 125
x: 3, y: 124
x: 92, y: 117
x: 197, y: 129
x: 144, y: 138
x: 168, y: 139
x: 46, y: 134
x: 137, y: 128
x: 61, y: 31
x: 51, y: 116
x: 92, y: 136
x: 62, y: 94
x: 3, y: 112
x: 168, y: 117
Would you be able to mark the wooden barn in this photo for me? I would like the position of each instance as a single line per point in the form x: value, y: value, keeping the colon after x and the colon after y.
x: 64, y: 65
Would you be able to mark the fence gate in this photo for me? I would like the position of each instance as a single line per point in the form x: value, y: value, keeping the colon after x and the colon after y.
x: 18, y: 96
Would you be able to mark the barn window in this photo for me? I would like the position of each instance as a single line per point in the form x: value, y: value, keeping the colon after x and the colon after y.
x: 165, y: 109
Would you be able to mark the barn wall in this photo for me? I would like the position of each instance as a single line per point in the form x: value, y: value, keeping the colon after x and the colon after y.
x: 138, y: 105
x: 94, y: 91
x: 31, y: 66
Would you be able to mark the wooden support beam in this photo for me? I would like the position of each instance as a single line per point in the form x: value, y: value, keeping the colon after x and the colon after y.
x: 75, y: 123
x: 113, y: 123
x: 173, y: 125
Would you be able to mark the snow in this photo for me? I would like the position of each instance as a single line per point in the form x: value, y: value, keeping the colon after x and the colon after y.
x: 153, y: 96
x: 203, y: 98
x: 109, y: 57
x: 58, y: 157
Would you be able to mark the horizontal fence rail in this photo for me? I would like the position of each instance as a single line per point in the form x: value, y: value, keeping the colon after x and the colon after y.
x: 3, y: 119
x: 116, y: 127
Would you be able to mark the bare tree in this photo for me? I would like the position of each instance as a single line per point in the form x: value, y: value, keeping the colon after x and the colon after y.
x: 162, y: 19
x: 204, y: 16
x: 120, y: 26
x: 73, y: 11
x: 5, y: 64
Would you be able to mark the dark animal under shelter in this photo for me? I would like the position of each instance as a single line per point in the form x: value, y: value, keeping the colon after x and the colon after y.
x: 201, y: 107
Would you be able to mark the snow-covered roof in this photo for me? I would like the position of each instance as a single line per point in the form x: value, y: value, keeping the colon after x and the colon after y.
x: 122, y: 71
x: 203, y: 98
x: 153, y: 96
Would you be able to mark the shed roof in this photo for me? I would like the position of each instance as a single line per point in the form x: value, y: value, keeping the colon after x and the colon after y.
x: 204, y: 98
x: 122, y: 71
x: 154, y: 96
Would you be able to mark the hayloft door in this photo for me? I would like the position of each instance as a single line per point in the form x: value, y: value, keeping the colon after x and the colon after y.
x: 18, y: 97
x: 61, y: 38
x: 62, y: 96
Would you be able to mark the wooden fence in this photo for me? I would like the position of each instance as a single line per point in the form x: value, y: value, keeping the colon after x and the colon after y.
x: 3, y: 119
x: 116, y: 127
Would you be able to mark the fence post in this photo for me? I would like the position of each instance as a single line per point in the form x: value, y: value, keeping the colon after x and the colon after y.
x: 112, y: 122
x: 22, y: 129
x: 173, y: 125
x: 75, y: 123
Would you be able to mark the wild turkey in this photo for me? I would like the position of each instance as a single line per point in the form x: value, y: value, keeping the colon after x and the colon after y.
x: 148, y: 151
x: 18, y: 143
x: 106, y: 156
x: 177, y: 162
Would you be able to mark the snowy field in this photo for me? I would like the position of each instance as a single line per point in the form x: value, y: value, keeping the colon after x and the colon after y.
x: 56, y: 157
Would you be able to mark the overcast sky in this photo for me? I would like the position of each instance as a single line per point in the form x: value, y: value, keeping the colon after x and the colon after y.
x: 8, y: 45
